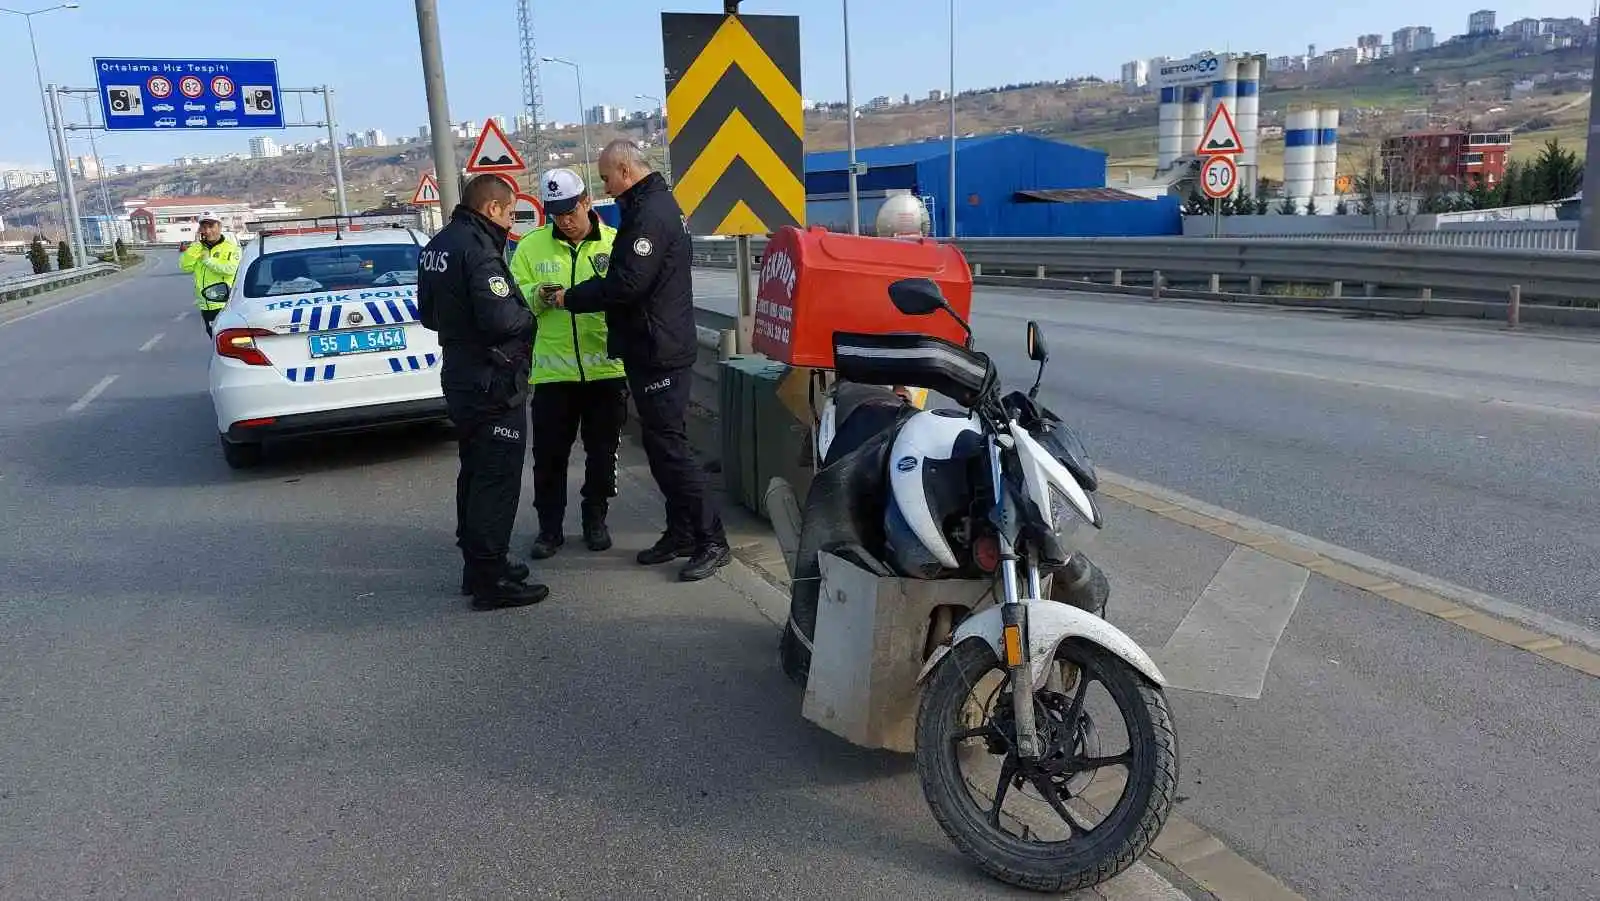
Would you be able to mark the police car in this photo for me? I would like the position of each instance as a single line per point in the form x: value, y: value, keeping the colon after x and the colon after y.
x: 321, y: 335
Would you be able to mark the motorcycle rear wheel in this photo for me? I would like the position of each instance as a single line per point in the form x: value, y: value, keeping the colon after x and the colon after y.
x: 1083, y: 860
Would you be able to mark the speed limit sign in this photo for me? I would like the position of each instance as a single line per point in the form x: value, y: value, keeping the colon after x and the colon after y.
x: 1218, y: 177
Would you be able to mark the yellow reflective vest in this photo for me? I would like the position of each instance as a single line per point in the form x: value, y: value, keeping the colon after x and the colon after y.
x: 568, y: 347
x: 211, y: 265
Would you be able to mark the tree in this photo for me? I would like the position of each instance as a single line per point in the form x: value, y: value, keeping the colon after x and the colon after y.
x: 1341, y: 208
x: 63, y: 256
x: 1287, y: 207
x: 38, y: 256
x: 1557, y: 173
x: 1262, y: 206
x: 1311, y: 206
x: 1480, y: 196
x: 1196, y: 204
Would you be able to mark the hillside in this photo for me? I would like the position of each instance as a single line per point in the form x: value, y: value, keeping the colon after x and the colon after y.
x: 1467, y: 84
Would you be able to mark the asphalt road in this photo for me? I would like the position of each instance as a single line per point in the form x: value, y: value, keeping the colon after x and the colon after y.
x: 220, y: 684
x: 1466, y: 453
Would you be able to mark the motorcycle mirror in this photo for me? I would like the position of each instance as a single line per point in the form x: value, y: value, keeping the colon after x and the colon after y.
x: 215, y: 293
x: 921, y: 297
x: 917, y: 296
x: 1037, y: 350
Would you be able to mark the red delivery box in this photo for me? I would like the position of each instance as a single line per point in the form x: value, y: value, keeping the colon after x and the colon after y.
x: 816, y: 282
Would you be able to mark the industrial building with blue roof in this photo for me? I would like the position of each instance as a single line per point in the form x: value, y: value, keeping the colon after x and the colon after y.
x: 1009, y: 185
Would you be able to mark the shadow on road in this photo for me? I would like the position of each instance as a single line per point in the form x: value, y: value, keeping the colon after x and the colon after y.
x: 331, y: 667
x: 171, y: 441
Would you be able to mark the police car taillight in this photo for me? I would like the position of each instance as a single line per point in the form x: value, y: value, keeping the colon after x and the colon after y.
x: 240, y: 344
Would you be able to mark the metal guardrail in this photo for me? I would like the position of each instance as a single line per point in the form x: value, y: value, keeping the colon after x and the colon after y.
x: 37, y: 284
x: 1340, y: 273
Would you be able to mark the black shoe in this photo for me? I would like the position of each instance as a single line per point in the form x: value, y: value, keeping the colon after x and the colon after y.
x: 547, y: 545
x: 705, y: 563
x: 596, y: 537
x: 504, y: 593
x: 668, y: 548
x: 516, y: 572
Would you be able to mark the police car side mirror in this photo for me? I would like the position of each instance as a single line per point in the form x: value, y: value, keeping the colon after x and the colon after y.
x: 216, y: 293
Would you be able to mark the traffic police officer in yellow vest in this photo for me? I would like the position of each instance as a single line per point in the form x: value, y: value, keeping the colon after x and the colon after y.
x: 213, y: 258
x: 577, y: 387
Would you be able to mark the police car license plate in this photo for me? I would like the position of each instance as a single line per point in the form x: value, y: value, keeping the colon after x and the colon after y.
x: 370, y: 341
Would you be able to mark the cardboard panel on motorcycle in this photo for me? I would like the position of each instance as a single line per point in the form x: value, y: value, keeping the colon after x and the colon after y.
x: 815, y: 282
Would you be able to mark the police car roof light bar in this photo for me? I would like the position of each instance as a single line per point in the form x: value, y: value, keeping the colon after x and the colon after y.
x: 319, y: 224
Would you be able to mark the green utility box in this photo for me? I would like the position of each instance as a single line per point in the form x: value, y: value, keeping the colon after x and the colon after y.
x: 760, y: 437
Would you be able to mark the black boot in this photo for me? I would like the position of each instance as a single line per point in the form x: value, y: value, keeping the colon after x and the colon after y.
x: 596, y: 536
x: 504, y: 593
x: 547, y: 545
x: 668, y: 547
x: 516, y: 572
x: 705, y: 562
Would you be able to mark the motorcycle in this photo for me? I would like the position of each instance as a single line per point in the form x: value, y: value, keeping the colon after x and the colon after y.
x: 994, y: 491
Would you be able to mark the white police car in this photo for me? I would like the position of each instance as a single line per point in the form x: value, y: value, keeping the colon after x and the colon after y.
x: 321, y: 335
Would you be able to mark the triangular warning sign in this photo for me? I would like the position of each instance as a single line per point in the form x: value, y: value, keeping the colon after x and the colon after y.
x: 1220, y: 138
x: 493, y: 153
x: 427, y: 190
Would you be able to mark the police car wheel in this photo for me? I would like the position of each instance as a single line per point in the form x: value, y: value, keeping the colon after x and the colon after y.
x: 240, y: 456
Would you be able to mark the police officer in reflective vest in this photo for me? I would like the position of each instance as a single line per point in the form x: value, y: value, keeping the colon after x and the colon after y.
x: 214, y: 259
x: 465, y: 293
x: 647, y: 295
x: 577, y: 386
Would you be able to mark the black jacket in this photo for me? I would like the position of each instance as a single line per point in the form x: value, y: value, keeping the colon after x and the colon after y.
x: 465, y: 292
x: 647, y: 293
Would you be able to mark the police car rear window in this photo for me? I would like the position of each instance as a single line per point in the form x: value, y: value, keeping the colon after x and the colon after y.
x: 332, y: 269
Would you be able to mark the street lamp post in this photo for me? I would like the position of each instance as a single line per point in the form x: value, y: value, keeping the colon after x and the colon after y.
x: 583, y: 113
x: 850, y: 131
x: 38, y: 78
x: 666, y: 149
x: 444, y: 140
x: 952, y: 120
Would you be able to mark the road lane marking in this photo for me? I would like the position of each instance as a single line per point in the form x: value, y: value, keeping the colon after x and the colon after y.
x: 91, y: 394
x: 152, y: 342
x: 1525, y: 629
x: 180, y: 316
x: 1528, y: 406
x: 1225, y: 643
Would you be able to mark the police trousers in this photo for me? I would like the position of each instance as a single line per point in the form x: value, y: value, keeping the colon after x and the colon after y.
x: 493, y: 446
x: 558, y: 413
x: 662, y: 399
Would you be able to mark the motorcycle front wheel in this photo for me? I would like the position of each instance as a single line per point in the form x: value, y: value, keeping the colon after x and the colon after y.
x: 1041, y: 841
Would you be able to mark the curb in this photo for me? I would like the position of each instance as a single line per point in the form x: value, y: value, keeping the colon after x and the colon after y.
x: 1560, y: 642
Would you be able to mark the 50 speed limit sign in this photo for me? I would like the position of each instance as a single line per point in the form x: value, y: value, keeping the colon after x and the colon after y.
x: 1218, y: 176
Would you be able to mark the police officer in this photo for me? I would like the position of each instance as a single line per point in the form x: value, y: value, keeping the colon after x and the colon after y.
x: 467, y: 295
x: 647, y: 294
x: 577, y: 385
x: 213, y: 258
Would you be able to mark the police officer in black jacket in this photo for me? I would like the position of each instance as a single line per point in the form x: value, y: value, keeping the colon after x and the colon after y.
x: 465, y: 292
x: 647, y: 295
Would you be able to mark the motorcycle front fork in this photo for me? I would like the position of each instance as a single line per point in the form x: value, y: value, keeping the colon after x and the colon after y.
x: 1014, y: 633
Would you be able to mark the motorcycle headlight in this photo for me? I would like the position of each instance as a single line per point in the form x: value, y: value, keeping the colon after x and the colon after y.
x: 1064, y: 517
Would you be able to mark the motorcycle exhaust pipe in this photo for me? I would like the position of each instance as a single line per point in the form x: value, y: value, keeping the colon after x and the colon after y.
x: 1082, y: 584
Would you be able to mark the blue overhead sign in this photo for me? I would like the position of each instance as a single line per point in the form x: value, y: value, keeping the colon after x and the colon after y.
x: 188, y: 94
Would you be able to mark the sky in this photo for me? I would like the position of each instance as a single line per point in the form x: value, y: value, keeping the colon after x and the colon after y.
x: 367, y: 51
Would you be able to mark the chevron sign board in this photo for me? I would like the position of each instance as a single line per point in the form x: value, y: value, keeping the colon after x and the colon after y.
x: 735, y: 121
